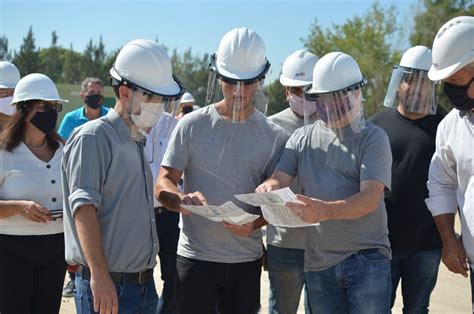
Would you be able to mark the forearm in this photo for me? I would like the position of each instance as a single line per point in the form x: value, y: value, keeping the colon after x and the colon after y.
x: 9, y: 208
x: 445, y: 225
x: 88, y: 232
x: 259, y: 222
x: 353, y: 207
x: 168, y: 194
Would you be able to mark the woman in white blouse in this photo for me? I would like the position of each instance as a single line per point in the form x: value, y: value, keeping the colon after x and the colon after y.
x: 32, y: 265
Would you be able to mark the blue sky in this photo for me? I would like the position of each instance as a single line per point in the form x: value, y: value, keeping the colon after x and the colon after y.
x: 180, y: 24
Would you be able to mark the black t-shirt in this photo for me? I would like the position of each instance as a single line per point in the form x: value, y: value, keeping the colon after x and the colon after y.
x: 410, y: 223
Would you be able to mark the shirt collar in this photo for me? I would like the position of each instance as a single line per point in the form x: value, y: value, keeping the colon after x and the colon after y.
x: 119, y: 125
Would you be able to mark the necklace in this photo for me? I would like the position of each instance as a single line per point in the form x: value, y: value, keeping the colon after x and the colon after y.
x: 38, y: 147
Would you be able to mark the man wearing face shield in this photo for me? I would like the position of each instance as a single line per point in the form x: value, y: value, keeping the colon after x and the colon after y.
x: 285, y: 246
x: 451, y: 173
x: 108, y: 188
x: 9, y: 77
x: 343, y: 167
x: 92, y: 93
x: 224, y: 149
x: 411, y: 128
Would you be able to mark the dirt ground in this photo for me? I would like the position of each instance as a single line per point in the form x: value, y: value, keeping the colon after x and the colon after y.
x: 452, y: 295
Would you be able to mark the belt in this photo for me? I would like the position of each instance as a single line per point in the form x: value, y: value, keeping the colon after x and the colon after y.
x: 160, y: 210
x: 123, y: 278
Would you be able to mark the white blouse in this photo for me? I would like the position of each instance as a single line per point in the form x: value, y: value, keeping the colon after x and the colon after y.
x: 25, y: 177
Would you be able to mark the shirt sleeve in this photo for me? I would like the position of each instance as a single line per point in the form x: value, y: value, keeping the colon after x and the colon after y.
x: 85, y: 163
x: 288, y: 162
x: 65, y: 128
x: 442, y: 178
x: 178, y: 152
x: 376, y: 159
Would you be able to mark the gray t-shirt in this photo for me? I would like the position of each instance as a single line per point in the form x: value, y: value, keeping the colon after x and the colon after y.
x: 330, y: 170
x: 220, y: 159
x: 293, y: 238
x: 103, y: 167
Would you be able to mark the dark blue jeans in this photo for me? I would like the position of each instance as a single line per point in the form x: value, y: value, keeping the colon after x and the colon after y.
x: 133, y: 298
x: 472, y: 290
x: 360, y: 284
x: 418, y: 272
x: 168, y: 235
x: 286, y: 274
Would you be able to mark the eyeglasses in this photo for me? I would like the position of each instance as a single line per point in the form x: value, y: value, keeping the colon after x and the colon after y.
x: 45, y: 106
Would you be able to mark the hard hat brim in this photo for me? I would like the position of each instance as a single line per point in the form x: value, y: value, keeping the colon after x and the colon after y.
x: 293, y: 83
x: 441, y: 74
x: 7, y: 86
x: 240, y: 75
x: 169, y: 90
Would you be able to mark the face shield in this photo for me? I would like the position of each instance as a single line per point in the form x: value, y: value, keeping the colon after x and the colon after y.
x: 237, y: 95
x: 341, y: 111
x: 412, y: 89
x: 146, y: 109
x: 302, y: 107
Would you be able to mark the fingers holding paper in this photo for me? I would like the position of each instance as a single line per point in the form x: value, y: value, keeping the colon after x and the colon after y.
x: 311, y: 210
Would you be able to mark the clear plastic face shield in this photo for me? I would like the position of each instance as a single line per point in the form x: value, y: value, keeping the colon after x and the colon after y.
x: 302, y: 107
x: 411, y: 89
x: 341, y: 111
x: 147, y: 109
x: 238, y: 96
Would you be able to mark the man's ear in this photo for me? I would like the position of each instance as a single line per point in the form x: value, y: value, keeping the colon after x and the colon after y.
x: 82, y: 95
x: 124, y: 93
x: 287, y: 93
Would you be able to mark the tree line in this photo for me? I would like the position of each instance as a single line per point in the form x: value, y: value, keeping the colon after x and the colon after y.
x: 373, y: 39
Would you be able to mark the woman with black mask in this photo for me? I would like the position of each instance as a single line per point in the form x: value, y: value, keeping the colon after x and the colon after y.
x: 32, y: 265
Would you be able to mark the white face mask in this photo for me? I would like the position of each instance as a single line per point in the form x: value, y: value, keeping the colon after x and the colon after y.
x: 297, y: 104
x: 5, y: 106
x: 150, y: 114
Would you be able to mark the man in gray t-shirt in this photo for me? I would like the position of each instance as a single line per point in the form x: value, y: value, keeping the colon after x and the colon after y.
x: 343, y: 166
x: 285, y: 246
x: 224, y: 149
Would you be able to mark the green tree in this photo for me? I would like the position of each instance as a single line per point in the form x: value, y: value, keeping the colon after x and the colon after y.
x: 432, y: 14
x: 27, y: 59
x: 50, y: 59
x: 276, y: 97
x: 94, y: 57
x: 368, y: 39
x: 192, y: 70
x: 5, y: 54
x: 72, y: 67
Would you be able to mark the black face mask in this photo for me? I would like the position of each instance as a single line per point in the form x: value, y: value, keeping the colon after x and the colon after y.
x: 458, y: 96
x: 187, y: 109
x: 45, y: 121
x: 94, y: 101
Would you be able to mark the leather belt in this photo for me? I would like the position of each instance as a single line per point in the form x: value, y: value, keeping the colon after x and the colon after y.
x: 123, y: 278
x: 160, y: 210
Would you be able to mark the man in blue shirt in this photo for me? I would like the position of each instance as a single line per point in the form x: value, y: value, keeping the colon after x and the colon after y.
x: 92, y: 93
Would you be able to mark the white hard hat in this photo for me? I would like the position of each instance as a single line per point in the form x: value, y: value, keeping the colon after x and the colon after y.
x: 187, y: 97
x: 335, y: 71
x: 453, y: 47
x: 298, y: 68
x: 241, y: 55
x: 145, y: 64
x: 36, y: 86
x: 9, y: 75
x: 417, y: 57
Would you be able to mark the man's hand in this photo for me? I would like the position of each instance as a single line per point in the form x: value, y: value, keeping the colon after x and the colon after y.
x: 104, y: 294
x: 243, y: 231
x: 195, y: 198
x: 34, y: 212
x: 267, y: 186
x: 310, y: 210
x: 454, y: 256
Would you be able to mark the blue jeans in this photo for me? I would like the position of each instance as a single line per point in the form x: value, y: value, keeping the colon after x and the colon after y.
x: 168, y: 235
x: 286, y: 274
x: 133, y: 298
x: 472, y: 289
x: 358, y: 284
x: 418, y: 272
